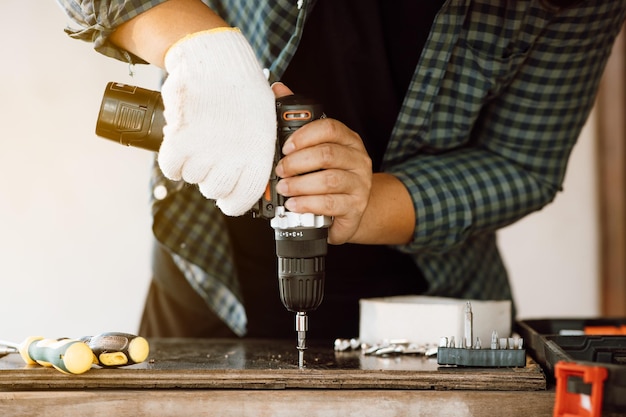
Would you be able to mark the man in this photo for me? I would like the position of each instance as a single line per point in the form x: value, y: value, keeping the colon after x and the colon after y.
x: 447, y: 121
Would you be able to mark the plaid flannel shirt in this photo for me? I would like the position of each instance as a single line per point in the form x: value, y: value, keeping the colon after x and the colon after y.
x: 496, y: 103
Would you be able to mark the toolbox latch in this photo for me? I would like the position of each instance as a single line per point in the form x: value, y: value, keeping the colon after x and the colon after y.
x: 579, y: 389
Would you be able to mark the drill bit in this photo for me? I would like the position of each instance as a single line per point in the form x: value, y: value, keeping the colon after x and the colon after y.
x: 469, y: 324
x: 494, y: 340
x: 302, y: 325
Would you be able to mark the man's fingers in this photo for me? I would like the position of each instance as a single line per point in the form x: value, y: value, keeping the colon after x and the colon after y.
x: 323, y: 131
x: 323, y: 156
x: 346, y: 216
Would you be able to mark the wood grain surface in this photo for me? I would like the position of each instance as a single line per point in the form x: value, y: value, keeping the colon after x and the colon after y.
x: 258, y: 364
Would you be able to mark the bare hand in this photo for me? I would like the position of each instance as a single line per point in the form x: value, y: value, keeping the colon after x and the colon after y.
x: 326, y: 170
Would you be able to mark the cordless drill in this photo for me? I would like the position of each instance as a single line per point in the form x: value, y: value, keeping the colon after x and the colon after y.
x: 133, y: 116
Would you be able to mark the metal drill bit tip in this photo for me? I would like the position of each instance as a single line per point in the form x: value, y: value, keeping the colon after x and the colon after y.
x: 494, y: 340
x: 301, y: 358
x: 302, y: 325
x: 10, y: 345
x: 301, y: 348
x: 469, y: 327
x: 6, y: 350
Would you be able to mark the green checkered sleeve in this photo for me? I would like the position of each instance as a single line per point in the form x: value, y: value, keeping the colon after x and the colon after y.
x: 273, y: 28
x: 500, y: 126
x: 96, y: 20
x: 193, y: 230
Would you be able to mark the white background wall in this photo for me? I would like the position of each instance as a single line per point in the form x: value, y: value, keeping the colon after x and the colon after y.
x: 552, y: 255
x: 74, y: 214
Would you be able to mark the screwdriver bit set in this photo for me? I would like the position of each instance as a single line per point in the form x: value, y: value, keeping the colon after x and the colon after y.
x: 502, y: 352
x: 507, y: 352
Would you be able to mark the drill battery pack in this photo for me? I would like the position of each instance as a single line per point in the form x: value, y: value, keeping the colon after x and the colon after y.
x: 588, y: 342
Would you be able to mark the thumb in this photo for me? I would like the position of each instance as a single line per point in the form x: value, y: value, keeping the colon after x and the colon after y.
x: 281, y: 90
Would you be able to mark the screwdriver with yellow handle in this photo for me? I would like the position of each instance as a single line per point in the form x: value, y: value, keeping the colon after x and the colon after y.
x: 115, y: 349
x: 76, y: 356
x: 69, y: 356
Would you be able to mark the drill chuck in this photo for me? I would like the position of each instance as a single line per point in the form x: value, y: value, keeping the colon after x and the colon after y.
x: 301, y: 283
x: 301, y: 247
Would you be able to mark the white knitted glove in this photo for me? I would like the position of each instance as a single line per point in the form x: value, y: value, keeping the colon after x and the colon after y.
x: 220, y: 117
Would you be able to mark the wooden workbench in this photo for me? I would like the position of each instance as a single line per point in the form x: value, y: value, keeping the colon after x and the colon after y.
x: 254, y: 377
